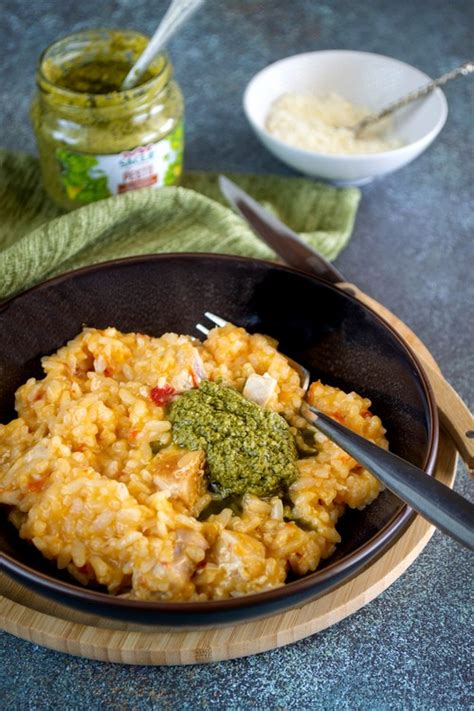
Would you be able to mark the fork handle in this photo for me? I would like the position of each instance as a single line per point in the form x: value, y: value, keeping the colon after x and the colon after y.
x: 436, y: 502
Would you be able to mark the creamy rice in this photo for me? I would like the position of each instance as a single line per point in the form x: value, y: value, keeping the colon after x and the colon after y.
x: 80, y: 472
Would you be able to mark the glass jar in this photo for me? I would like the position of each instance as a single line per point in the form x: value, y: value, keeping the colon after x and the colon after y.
x: 95, y: 140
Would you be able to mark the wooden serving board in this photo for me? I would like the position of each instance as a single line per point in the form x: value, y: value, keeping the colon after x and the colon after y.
x: 35, y: 618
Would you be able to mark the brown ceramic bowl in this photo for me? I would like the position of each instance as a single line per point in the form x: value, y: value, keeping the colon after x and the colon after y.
x: 335, y: 336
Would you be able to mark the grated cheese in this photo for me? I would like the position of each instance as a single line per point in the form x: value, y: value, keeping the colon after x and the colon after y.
x: 322, y: 124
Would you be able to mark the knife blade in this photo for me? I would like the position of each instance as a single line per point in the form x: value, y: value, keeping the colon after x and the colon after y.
x: 286, y: 243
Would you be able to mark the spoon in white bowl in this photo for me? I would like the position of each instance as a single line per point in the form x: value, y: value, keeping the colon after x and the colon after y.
x: 463, y: 70
x: 178, y: 12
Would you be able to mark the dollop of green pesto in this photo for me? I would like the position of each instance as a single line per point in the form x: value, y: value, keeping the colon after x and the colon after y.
x: 248, y: 449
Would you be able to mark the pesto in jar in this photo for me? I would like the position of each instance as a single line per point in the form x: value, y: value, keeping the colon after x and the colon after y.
x: 248, y: 449
x: 98, y: 77
x: 94, y: 139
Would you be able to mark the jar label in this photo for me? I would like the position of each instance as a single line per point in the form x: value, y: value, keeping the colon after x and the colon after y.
x: 87, y: 178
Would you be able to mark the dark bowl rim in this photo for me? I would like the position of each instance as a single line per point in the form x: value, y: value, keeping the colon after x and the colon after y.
x: 366, y: 554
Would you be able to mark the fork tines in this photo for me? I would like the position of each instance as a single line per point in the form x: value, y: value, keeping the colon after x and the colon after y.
x: 217, y: 320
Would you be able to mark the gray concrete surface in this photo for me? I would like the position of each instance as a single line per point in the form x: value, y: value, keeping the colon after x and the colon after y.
x: 412, y: 249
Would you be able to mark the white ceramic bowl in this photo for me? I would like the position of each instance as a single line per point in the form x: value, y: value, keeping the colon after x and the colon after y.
x: 370, y: 80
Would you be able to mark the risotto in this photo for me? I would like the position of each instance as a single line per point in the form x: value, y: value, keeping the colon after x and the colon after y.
x: 94, y: 477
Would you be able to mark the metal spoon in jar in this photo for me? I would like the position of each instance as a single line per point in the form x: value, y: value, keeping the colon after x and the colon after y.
x: 175, y: 16
x: 463, y: 70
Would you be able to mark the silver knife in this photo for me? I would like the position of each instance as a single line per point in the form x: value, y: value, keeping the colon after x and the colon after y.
x: 286, y: 243
x: 455, y: 415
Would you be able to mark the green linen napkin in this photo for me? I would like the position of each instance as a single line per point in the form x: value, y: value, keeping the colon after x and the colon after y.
x: 39, y: 240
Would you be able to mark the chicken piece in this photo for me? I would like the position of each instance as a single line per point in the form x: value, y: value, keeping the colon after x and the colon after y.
x: 176, y: 558
x: 260, y: 388
x: 186, y: 373
x: 237, y: 565
x: 241, y: 555
x: 181, y: 473
x: 189, y: 369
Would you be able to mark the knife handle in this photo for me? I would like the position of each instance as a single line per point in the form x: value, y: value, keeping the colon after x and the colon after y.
x: 436, y: 502
x: 454, y: 414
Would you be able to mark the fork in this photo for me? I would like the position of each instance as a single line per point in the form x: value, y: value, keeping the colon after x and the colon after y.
x: 443, y: 507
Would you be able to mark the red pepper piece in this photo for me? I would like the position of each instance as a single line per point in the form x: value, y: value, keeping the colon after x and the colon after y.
x: 162, y: 396
x: 86, y: 569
